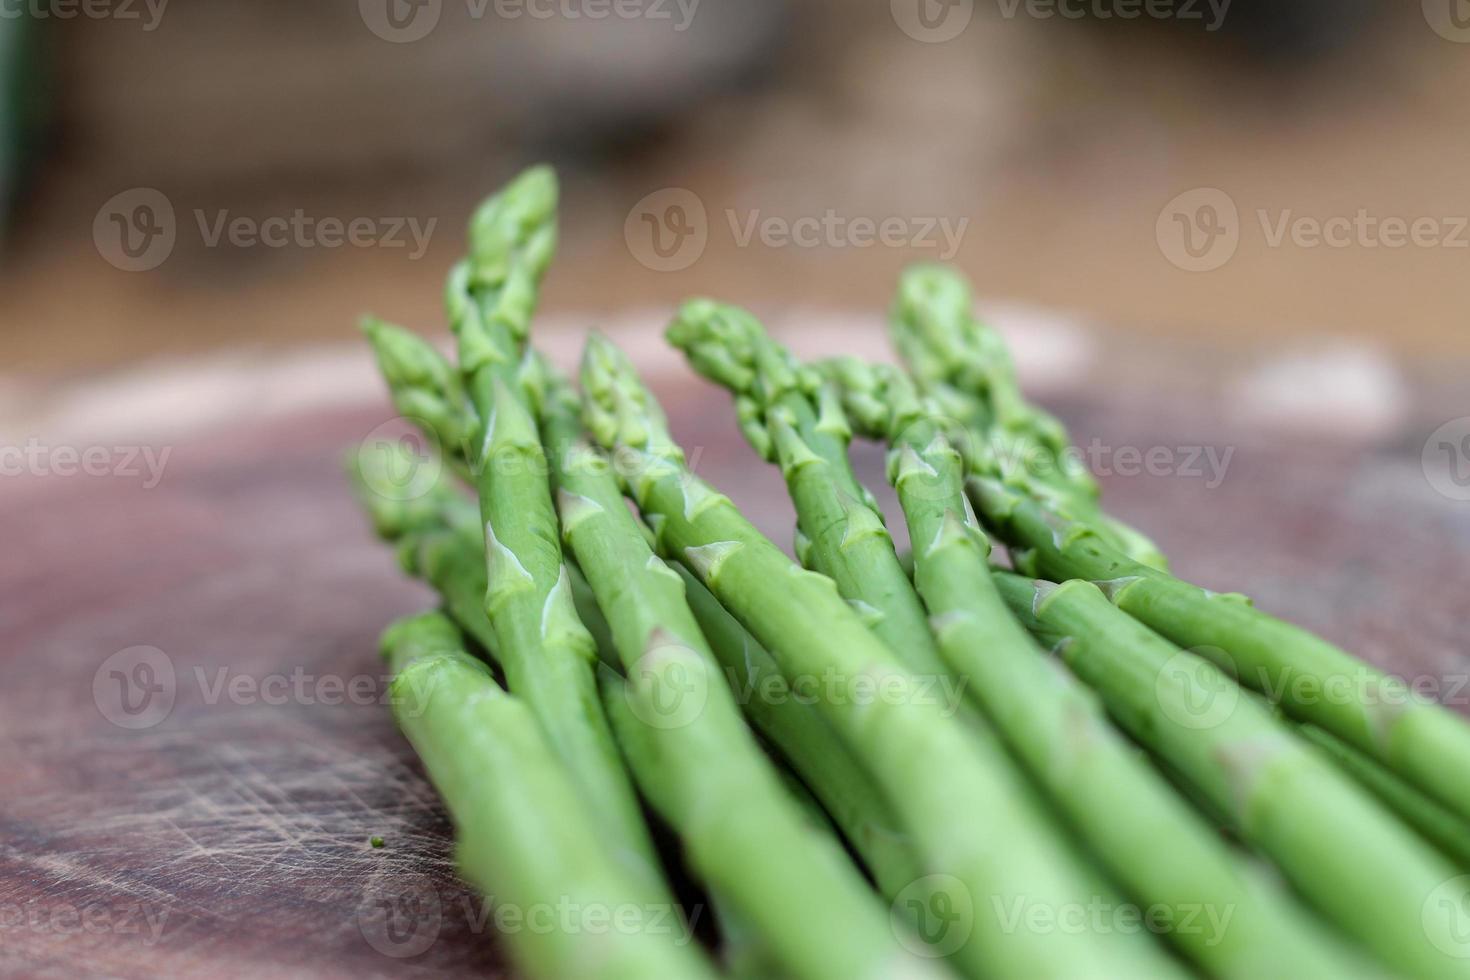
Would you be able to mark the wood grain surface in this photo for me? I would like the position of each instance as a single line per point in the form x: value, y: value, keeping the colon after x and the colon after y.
x: 229, y: 834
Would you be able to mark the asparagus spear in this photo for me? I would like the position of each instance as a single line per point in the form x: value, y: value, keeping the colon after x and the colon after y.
x: 793, y: 417
x: 1338, y: 845
x: 545, y: 651
x: 425, y: 387
x: 1313, y: 680
x: 934, y: 774
x: 1062, y: 537
x: 777, y: 879
x: 1116, y: 800
x: 524, y: 839
x: 964, y: 365
x: 438, y: 539
x: 807, y: 743
x: 690, y: 750
x: 1434, y: 822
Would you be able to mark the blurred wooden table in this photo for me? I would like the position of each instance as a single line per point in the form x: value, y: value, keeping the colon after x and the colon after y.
x: 231, y: 837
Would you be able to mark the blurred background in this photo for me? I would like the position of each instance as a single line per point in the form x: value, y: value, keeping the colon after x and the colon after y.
x: 1252, y: 210
x: 1047, y: 136
x: 1231, y: 231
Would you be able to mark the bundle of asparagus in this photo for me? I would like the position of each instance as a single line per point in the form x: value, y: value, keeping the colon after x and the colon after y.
x: 871, y: 772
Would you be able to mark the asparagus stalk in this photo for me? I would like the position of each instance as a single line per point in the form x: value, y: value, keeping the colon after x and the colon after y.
x: 808, y: 744
x: 774, y: 881
x: 1114, y: 798
x: 1063, y: 537
x: 1339, y: 846
x: 425, y: 388
x: 925, y: 761
x: 524, y: 838
x: 690, y: 750
x: 1435, y: 823
x: 1312, y: 680
x: 547, y: 654
x: 438, y: 539
x: 964, y: 365
x: 793, y: 417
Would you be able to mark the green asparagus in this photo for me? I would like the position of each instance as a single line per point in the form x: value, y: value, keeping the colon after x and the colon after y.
x: 1339, y: 846
x: 980, y: 868
x: 1062, y: 536
x: 964, y: 365
x: 1147, y: 835
x: 1311, y: 679
x: 425, y: 387
x: 807, y: 743
x: 792, y: 416
x: 691, y: 751
x: 1435, y: 823
x: 547, y: 654
x: 523, y: 838
x: 438, y: 539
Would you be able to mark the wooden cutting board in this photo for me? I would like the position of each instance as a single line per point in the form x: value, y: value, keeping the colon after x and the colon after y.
x: 228, y: 835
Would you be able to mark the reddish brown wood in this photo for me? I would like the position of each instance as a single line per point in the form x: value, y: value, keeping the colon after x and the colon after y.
x: 241, y: 828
